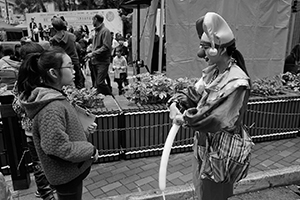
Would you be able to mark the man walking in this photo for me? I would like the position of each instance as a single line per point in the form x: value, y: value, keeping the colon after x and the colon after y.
x: 100, y: 55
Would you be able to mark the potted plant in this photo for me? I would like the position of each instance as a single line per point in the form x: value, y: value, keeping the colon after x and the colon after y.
x: 148, y: 89
x: 85, y: 101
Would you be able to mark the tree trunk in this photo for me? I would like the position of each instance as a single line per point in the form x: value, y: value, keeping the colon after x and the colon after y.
x: 42, y: 6
x: 89, y: 4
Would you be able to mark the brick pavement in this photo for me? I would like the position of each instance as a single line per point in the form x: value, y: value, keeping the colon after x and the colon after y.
x: 129, y: 176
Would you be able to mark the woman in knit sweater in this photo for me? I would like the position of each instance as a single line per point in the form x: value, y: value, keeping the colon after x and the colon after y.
x: 60, y: 140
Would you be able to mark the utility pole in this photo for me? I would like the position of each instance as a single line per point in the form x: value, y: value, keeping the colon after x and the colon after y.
x: 7, y: 14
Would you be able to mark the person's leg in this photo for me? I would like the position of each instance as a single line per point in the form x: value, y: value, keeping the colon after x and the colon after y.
x: 43, y: 186
x: 93, y: 73
x: 107, y: 79
x: 119, y: 82
x: 69, y: 191
x: 79, y: 78
x: 102, y: 73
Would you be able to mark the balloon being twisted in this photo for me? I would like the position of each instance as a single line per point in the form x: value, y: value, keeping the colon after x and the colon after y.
x: 165, y: 158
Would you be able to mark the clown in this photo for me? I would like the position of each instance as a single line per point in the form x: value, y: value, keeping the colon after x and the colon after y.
x: 214, y: 108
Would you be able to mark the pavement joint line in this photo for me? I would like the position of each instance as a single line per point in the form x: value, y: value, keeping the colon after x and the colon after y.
x: 253, y: 182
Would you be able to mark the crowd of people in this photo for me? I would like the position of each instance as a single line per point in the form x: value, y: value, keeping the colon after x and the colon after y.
x: 36, y: 72
x: 80, y: 45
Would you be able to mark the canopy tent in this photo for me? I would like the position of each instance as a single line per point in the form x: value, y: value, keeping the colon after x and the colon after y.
x: 13, y: 33
x: 4, y: 26
x: 260, y: 27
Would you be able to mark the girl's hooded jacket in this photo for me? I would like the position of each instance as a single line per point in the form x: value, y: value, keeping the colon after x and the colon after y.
x: 59, y: 138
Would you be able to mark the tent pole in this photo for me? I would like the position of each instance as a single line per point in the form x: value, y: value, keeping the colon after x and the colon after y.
x: 7, y: 14
x: 162, y: 13
x: 138, y: 40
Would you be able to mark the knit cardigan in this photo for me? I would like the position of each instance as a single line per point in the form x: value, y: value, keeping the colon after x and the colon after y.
x: 59, y: 138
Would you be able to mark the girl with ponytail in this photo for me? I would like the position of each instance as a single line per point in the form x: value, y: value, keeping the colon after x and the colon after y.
x: 58, y: 135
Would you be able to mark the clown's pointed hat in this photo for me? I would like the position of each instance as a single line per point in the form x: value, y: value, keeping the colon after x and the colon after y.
x: 214, y: 30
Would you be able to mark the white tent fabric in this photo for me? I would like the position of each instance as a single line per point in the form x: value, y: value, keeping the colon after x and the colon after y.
x: 260, y: 28
x: 147, y: 33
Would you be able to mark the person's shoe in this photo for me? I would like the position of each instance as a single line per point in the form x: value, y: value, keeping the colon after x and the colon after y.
x: 37, y: 194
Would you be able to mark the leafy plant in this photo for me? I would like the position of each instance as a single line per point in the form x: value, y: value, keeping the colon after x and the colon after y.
x: 291, y: 81
x: 267, y: 87
x: 147, y: 88
x: 86, y: 98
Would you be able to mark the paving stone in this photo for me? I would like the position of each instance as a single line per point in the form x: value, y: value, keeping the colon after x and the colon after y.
x: 267, y: 163
x: 133, y: 171
x: 176, y: 168
x: 115, y: 177
x: 144, y: 181
x: 147, y: 187
x: 148, y: 173
x: 96, y: 185
x: 96, y: 192
x: 87, y: 196
x: 150, y: 166
x: 175, y: 175
x: 120, y: 170
x: 122, y: 190
x: 285, y: 153
x: 130, y: 179
x: 111, y: 186
x: 135, y: 165
x: 112, y: 193
x: 186, y: 178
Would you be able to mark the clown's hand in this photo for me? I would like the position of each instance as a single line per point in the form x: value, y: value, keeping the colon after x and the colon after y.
x: 178, y: 120
x: 174, y: 111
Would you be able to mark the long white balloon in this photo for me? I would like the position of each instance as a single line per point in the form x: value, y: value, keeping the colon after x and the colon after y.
x: 165, y: 157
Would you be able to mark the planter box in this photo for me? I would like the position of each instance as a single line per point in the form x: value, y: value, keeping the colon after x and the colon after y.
x: 106, y: 138
x: 145, y: 129
x: 270, y: 118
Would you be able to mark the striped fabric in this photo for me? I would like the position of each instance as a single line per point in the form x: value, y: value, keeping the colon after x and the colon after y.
x: 233, y: 146
x: 226, y: 157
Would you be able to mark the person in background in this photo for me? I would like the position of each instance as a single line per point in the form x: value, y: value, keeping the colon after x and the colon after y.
x: 65, y: 22
x: 5, y: 193
x: 25, y: 40
x: 1, y: 51
x: 58, y: 135
x: 67, y: 41
x: 86, y: 30
x: 214, y: 108
x: 16, y: 56
x: 129, y: 47
x: 41, y: 31
x: 8, y: 68
x: 44, y: 190
x: 292, y: 61
x: 119, y: 67
x: 32, y: 27
x: 46, y: 33
x: 155, y: 54
x: 101, y: 55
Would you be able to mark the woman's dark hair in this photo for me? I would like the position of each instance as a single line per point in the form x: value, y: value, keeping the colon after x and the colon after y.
x: 30, y: 47
x: 87, y: 29
x: 296, y: 52
x: 34, y: 71
x: 236, y: 54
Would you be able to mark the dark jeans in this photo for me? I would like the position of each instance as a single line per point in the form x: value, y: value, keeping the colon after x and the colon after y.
x: 73, y: 189
x: 79, y: 78
x: 43, y: 186
x: 120, y: 81
x: 99, y: 73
